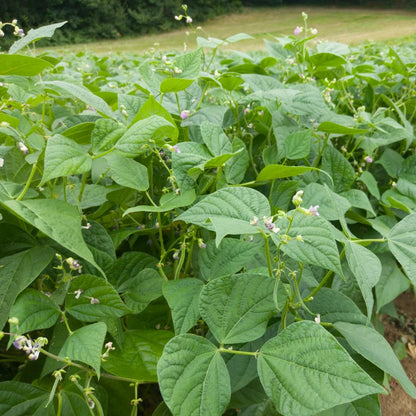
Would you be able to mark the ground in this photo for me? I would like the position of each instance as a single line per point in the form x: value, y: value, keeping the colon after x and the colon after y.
x: 398, y: 403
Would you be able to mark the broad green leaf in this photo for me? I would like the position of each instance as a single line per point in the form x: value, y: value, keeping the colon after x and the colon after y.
x: 34, y: 35
x: 215, y: 139
x: 162, y: 410
x: 34, y: 310
x: 105, y: 135
x: 85, y: 345
x: 402, y: 243
x: 375, y: 348
x: 335, y: 128
x: 392, y: 281
x: 193, y: 377
x: 17, y: 272
x: 80, y: 92
x: 138, y: 355
x: 358, y: 199
x: 58, y: 220
x: 127, y: 172
x: 237, y: 308
x: 238, y: 37
x: 338, y: 167
x: 100, y: 244
x: 128, y: 266
x: 318, y: 246
x: 175, y: 85
x: 140, y: 135
x: 191, y: 155
x: 190, y: 64
x: 366, y: 268
x: 150, y: 108
x: 168, y: 202
x: 332, y: 206
x: 333, y: 306
x: 228, y: 258
x: 183, y: 299
x: 74, y: 404
x: 271, y: 172
x: 91, y: 288
x: 235, y: 168
x: 325, y: 59
x: 370, y: 182
x: 23, y: 399
x: 297, y: 144
x: 80, y: 133
x: 228, y: 211
x: 367, y: 406
x: 304, y: 370
x: 64, y: 157
x: 143, y: 289
x: 391, y: 162
x: 22, y: 65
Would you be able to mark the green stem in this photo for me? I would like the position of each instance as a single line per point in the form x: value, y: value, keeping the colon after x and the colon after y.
x: 236, y: 352
x: 181, y: 261
x: 369, y: 240
x: 319, y: 287
x: 84, y: 182
x: 102, y: 154
x: 59, y: 410
x: 97, y: 405
x: 27, y: 186
x: 64, y: 318
x: 177, y: 103
x: 267, y: 250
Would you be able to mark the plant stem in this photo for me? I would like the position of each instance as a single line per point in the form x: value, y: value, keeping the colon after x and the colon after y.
x: 267, y: 250
x: 236, y: 352
x: 27, y: 186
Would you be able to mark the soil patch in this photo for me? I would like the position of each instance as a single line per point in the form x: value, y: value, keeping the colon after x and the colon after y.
x: 399, y: 403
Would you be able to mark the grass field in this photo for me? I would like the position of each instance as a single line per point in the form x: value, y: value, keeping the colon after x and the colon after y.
x: 343, y: 25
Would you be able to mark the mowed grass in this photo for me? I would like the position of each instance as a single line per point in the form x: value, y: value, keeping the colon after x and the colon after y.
x: 334, y: 24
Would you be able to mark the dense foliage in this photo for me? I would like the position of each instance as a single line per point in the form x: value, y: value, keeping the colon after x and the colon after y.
x: 226, y: 228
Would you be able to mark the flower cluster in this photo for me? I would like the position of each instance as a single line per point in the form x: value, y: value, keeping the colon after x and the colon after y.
x: 268, y: 223
x: 109, y: 347
x: 73, y: 264
x: 31, y: 348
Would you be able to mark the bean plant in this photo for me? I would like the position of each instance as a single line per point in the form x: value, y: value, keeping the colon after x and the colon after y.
x: 207, y: 232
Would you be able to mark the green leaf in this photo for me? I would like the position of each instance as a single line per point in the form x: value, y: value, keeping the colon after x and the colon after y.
x: 304, y: 370
x: 271, y: 172
x: 34, y: 35
x: 366, y: 268
x: 143, y: 289
x: 138, y: 355
x: 326, y: 59
x: 22, y: 399
x: 193, y: 377
x: 74, y: 404
x: 136, y: 139
x: 34, y: 310
x: 318, y: 246
x: 359, y: 199
x: 392, y: 281
x: 333, y: 306
x: 85, y: 345
x: 215, y: 139
x: 127, y: 172
x: 370, y: 182
x: 105, y: 135
x: 175, y: 85
x: 17, y: 272
x: 183, y: 299
x: 64, y: 157
x: 228, y: 258
x: 335, y: 128
x: 228, y: 211
x: 128, y: 266
x: 375, y: 348
x: 237, y: 308
x: 235, y: 168
x: 58, y: 220
x: 150, y: 108
x: 190, y: 64
x: 22, y: 65
x: 297, y: 144
x: 191, y: 155
x: 100, y: 244
x: 402, y: 243
x: 367, y: 406
x: 92, y: 287
x: 168, y: 202
x: 80, y: 92
x: 338, y: 167
x: 80, y: 133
